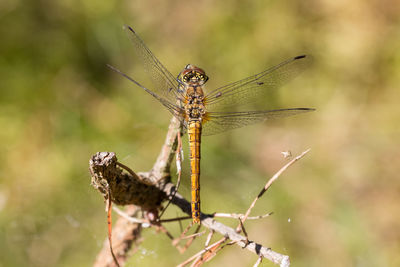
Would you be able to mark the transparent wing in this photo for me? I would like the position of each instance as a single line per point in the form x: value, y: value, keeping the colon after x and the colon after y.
x: 217, y: 122
x: 165, y: 84
x: 176, y: 110
x: 253, y: 88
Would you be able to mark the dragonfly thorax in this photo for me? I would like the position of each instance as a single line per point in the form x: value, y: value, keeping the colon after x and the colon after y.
x: 194, y: 107
x: 193, y: 80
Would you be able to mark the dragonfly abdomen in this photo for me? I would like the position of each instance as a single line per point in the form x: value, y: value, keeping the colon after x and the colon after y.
x: 194, y: 131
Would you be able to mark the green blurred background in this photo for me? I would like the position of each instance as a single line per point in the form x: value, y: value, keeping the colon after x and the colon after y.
x: 59, y: 104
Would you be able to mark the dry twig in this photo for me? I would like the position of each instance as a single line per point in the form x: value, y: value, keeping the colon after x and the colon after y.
x: 258, y: 262
x: 238, y: 216
x: 200, y: 253
x: 268, y: 185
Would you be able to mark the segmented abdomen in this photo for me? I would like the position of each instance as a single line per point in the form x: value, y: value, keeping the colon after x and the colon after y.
x: 194, y: 131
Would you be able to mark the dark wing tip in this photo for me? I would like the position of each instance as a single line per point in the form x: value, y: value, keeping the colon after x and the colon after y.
x: 303, y: 109
x: 127, y: 27
x: 299, y: 57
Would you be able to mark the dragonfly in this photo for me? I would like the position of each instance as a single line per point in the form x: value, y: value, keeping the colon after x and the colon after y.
x: 204, y: 112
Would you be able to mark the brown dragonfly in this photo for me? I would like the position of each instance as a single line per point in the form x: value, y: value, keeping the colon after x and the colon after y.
x: 213, y: 112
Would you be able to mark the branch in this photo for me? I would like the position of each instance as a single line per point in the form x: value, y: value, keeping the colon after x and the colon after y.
x: 161, y: 168
x: 206, y: 219
x: 147, y: 190
x: 269, y: 183
x: 226, y: 231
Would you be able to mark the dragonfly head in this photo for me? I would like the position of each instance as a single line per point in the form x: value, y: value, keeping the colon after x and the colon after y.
x: 193, y: 75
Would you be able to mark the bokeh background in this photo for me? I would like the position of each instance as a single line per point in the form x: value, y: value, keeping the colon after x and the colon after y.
x: 59, y: 104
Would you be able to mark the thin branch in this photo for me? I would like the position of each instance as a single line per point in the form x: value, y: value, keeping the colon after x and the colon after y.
x: 144, y: 223
x: 161, y: 168
x: 258, y: 262
x: 109, y: 223
x: 190, y: 238
x: 179, y: 172
x: 238, y: 216
x: 194, y: 235
x: 201, y: 252
x: 125, y: 236
x: 209, y: 236
x: 244, y: 231
x: 269, y: 183
x: 178, y: 239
